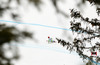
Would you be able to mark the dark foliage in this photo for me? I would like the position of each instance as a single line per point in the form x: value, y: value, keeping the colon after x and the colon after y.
x: 37, y: 3
x: 7, y: 35
x: 94, y: 1
x: 87, y: 35
x: 5, y: 6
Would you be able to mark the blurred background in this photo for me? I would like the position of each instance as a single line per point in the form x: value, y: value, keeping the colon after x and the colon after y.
x: 25, y: 44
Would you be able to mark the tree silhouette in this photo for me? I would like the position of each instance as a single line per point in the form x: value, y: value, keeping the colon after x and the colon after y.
x: 87, y: 30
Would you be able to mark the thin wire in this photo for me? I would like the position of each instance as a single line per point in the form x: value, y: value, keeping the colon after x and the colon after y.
x: 51, y: 49
x: 48, y: 27
x: 41, y: 25
x: 35, y: 25
x: 42, y: 47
